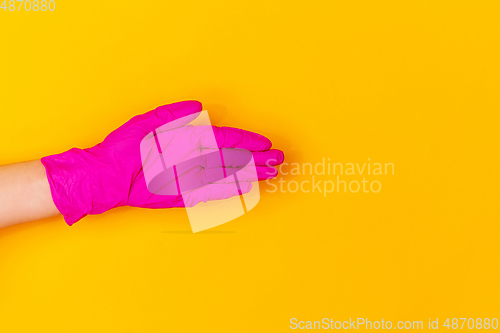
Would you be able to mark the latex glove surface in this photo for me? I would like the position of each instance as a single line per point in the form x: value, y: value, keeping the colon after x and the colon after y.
x: 110, y: 174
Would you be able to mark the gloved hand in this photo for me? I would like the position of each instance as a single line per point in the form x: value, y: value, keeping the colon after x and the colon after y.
x: 110, y: 174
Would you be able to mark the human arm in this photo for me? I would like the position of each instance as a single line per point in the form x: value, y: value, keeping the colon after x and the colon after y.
x: 24, y: 193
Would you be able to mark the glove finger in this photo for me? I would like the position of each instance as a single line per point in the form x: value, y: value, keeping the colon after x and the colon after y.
x: 229, y: 137
x: 236, y: 157
x: 180, y: 113
x: 166, y: 113
x: 263, y: 173
x: 268, y: 158
x: 242, y: 175
x: 215, y: 192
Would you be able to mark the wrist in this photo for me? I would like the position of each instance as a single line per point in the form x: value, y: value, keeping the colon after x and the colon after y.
x: 69, y: 181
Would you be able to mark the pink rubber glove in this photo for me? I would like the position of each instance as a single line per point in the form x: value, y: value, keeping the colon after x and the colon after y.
x: 109, y: 175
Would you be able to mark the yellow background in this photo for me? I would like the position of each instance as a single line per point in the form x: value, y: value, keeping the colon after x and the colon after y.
x: 410, y: 83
